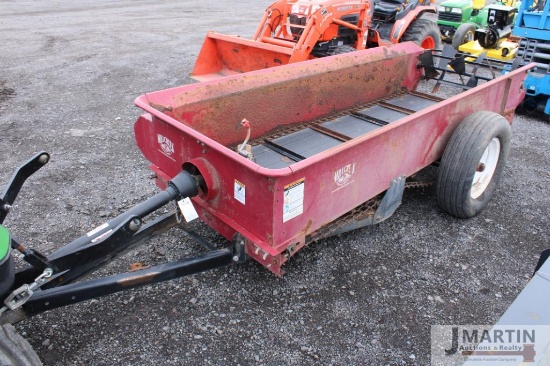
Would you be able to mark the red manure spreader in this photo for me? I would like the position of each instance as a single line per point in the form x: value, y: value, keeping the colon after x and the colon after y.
x: 275, y: 159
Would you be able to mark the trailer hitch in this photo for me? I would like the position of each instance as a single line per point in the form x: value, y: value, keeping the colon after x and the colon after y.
x: 47, y: 282
x: 112, y: 238
x: 20, y: 296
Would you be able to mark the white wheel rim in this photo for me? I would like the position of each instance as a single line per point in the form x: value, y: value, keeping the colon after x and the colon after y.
x: 486, y: 168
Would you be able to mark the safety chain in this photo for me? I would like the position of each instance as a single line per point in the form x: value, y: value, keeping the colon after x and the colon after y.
x: 24, y: 293
x: 419, y: 184
x: 361, y: 212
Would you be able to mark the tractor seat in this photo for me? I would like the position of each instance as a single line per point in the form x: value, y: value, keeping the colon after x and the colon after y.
x: 478, y: 4
x: 386, y: 10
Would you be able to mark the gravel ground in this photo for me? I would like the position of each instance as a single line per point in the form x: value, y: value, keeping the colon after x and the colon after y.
x: 70, y: 72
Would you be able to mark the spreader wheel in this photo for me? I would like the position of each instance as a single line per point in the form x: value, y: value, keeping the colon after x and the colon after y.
x: 424, y: 33
x: 15, y: 350
x: 464, y: 34
x: 472, y: 164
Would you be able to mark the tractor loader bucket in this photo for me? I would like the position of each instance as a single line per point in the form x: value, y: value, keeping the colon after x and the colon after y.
x: 222, y: 55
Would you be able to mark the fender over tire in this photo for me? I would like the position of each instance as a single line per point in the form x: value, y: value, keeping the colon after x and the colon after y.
x: 472, y: 164
x: 15, y: 350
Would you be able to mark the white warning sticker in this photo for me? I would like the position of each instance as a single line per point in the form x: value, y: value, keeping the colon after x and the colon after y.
x: 97, y: 229
x: 240, y: 192
x: 293, y: 199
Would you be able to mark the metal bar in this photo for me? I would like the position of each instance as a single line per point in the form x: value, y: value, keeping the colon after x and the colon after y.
x: 370, y: 119
x: 396, y: 108
x: 183, y: 185
x: 502, y: 108
x: 278, y: 42
x: 426, y: 96
x: 283, y: 150
x: 198, y: 238
x: 70, y: 294
x: 331, y: 133
x: 474, y: 78
x: 346, y: 24
x: 305, y: 32
x: 465, y: 74
x: 18, y: 179
x: 81, y: 261
x: 112, y: 238
x: 446, y: 56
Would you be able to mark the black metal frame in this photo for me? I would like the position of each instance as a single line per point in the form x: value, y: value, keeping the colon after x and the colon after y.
x: 449, y: 56
x: 104, y: 244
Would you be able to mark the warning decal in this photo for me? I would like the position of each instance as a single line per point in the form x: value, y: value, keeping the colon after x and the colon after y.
x: 240, y: 192
x: 293, y: 199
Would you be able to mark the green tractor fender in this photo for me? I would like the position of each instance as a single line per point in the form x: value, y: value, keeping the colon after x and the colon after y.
x: 7, y: 267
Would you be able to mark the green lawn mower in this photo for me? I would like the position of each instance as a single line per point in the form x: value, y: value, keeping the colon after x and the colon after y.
x: 458, y: 19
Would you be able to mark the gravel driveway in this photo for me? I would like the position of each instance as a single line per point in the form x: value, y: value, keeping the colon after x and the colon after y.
x: 70, y: 73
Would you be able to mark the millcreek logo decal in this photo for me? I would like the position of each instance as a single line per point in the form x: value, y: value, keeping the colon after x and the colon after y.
x: 166, y: 146
x: 343, y: 175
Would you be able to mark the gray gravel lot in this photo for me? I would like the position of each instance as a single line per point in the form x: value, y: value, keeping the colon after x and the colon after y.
x: 70, y: 73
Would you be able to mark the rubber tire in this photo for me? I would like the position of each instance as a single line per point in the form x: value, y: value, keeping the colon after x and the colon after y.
x: 15, y: 350
x: 341, y: 50
x: 460, y: 161
x: 420, y: 29
x: 464, y: 34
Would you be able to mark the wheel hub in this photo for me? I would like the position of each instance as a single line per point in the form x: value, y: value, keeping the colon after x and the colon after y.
x: 486, y: 168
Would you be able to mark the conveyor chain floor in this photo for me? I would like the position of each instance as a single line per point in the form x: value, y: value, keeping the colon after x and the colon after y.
x: 282, y: 151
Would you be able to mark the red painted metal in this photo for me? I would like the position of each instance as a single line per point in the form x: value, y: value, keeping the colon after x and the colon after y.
x: 195, y: 124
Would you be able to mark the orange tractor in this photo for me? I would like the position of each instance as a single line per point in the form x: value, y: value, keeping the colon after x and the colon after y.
x: 298, y: 30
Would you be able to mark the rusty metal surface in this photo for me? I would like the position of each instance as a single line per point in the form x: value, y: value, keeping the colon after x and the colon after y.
x: 285, y: 95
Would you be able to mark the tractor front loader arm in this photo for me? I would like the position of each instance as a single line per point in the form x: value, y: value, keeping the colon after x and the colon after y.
x: 288, y: 32
x: 272, y: 22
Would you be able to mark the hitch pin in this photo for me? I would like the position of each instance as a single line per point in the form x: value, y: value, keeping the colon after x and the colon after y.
x: 20, y: 296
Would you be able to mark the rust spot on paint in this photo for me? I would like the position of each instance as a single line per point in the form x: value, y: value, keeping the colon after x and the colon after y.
x: 307, y: 227
x: 137, y: 266
x: 136, y: 280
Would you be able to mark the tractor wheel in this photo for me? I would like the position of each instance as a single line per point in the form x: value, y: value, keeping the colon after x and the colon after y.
x: 472, y: 164
x: 15, y: 350
x: 464, y: 34
x: 424, y: 33
x: 341, y: 50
